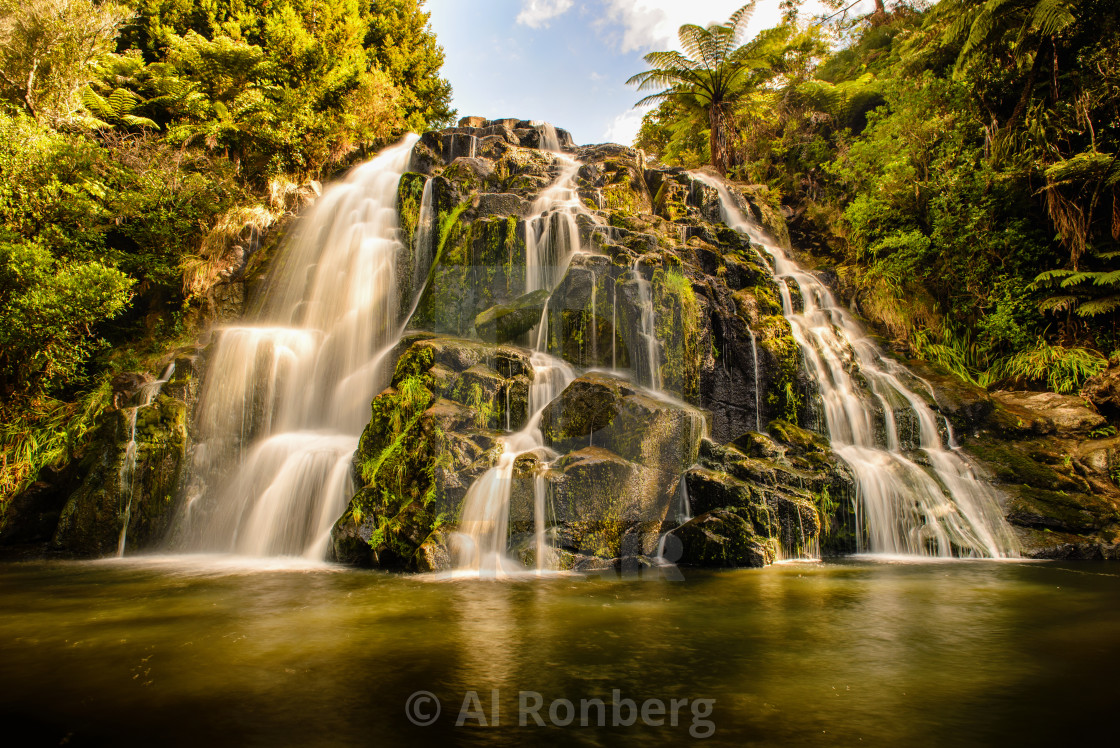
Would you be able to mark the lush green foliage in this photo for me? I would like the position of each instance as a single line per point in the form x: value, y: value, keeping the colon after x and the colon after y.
x: 958, y: 164
x: 49, y: 50
x: 138, y: 142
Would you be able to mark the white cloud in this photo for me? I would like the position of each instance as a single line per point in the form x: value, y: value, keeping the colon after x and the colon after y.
x: 624, y: 127
x: 537, y: 13
x: 653, y: 24
x: 645, y: 25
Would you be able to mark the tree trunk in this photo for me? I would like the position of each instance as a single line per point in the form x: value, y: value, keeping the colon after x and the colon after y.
x: 718, y: 138
x: 880, y: 7
x: 1024, y: 99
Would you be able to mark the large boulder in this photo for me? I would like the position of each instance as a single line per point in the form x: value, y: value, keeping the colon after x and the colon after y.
x: 723, y: 538
x: 613, y: 178
x: 1046, y: 413
x: 623, y: 451
x: 432, y: 433
x: 793, y: 496
x: 605, y: 410
x: 1056, y: 462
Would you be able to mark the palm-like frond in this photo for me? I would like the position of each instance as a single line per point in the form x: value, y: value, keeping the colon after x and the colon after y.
x: 708, y: 72
x: 979, y: 24
x: 1058, y: 303
x: 116, y: 108
x: 1098, y: 306
x: 983, y: 25
x: 1052, y: 16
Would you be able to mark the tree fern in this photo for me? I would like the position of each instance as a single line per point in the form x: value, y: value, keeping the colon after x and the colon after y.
x: 709, y: 71
x: 114, y: 110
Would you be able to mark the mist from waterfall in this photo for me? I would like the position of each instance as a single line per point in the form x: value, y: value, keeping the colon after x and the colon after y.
x: 901, y: 507
x: 287, y: 393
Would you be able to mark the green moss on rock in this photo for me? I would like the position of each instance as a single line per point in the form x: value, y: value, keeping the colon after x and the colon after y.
x: 677, y: 325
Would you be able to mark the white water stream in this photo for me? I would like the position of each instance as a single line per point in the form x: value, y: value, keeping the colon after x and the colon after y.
x: 285, y: 398
x: 902, y: 507
x: 127, y: 475
x: 479, y: 548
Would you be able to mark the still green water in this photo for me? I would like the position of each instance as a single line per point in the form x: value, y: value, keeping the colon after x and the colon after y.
x: 174, y: 652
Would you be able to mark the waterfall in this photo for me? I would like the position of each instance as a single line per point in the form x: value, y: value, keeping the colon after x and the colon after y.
x: 551, y: 232
x: 126, y: 478
x: 451, y: 146
x: 647, y: 332
x: 757, y: 401
x: 127, y: 475
x: 901, y: 507
x: 550, y: 140
x: 286, y: 395
x: 594, y: 323
x: 551, y: 238
x: 423, y: 246
x: 614, y: 326
x: 685, y: 510
x: 479, y: 548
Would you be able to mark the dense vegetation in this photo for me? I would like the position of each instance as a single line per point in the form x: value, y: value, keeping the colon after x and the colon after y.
x: 137, y: 141
x: 955, y: 163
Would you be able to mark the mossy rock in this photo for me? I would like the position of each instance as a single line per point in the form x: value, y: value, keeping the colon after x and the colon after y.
x: 801, y: 440
x: 1074, y: 513
x: 678, y: 328
x: 766, y: 206
x: 583, y: 314
x: 480, y: 264
x: 92, y: 520
x: 722, y: 538
x: 598, y: 497
x: 431, y: 434
x: 754, y: 444
x: 1045, y: 413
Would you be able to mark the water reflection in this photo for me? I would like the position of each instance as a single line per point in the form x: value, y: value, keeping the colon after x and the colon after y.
x: 800, y: 654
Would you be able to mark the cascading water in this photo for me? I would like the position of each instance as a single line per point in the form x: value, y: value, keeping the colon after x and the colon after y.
x: 650, y: 375
x: 127, y: 476
x: 479, y: 548
x: 550, y: 139
x: 551, y: 238
x: 426, y: 227
x: 757, y: 399
x: 284, y: 399
x: 551, y: 232
x: 901, y: 507
x: 458, y: 145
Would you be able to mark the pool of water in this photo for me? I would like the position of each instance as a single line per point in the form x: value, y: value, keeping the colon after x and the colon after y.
x: 178, y: 651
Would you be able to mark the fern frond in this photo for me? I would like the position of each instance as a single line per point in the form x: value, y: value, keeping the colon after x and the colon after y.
x: 1052, y: 16
x: 1098, y: 306
x: 1075, y: 278
x: 1058, y: 303
x: 1050, y: 275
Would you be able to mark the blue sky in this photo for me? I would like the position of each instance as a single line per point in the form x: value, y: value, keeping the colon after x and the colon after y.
x: 567, y: 61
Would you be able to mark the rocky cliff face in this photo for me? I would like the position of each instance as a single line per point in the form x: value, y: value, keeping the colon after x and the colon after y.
x: 615, y: 450
x: 132, y: 474
x: 1055, y: 459
x: 720, y: 464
